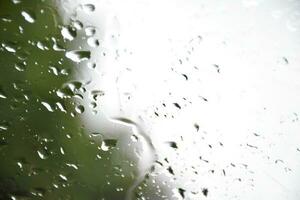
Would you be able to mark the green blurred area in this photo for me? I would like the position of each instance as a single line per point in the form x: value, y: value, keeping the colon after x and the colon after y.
x: 43, y: 154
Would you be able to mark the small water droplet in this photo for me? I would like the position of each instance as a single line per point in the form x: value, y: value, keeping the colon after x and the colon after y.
x: 42, y: 154
x: 78, y: 25
x: 68, y: 33
x: 177, y: 105
x: 47, y: 106
x: 20, y: 66
x: 173, y: 144
x: 72, y: 165
x: 16, y: 1
x: 205, y: 191
x: 134, y: 138
x: 108, y: 144
x: 90, y: 31
x: 96, y: 93
x: 91, y: 65
x: 88, y: 7
x: 9, y: 47
x: 63, y: 177
x: 28, y: 16
x: 78, y: 56
x: 61, y: 107
x: 4, y: 126
x: 2, y: 93
x: 181, y: 192
x: 41, y: 46
x: 62, y: 151
x: 92, y: 42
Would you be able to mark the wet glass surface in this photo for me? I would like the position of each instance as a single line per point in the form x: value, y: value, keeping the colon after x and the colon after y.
x: 115, y: 100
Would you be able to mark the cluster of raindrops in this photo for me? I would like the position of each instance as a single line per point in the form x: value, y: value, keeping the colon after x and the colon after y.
x: 46, y: 151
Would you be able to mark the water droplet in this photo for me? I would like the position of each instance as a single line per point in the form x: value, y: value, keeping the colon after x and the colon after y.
x: 72, y: 165
x: 205, y: 191
x: 177, y: 105
x: 78, y: 25
x: 16, y: 1
x: 42, y: 154
x: 134, y: 138
x: 9, y: 47
x: 62, y: 151
x: 108, y: 144
x: 63, y: 177
x: 96, y: 93
x: 78, y: 56
x: 93, y: 42
x: 196, y: 127
x: 68, y: 33
x: 79, y: 109
x: 173, y: 145
x: 61, y: 107
x: 4, y: 126
x: 47, y: 106
x: 2, y: 94
x: 181, y: 192
x: 20, y: 66
x: 90, y: 31
x: 88, y: 7
x: 285, y: 60
x: 91, y: 65
x: 28, y: 16
x: 41, y: 46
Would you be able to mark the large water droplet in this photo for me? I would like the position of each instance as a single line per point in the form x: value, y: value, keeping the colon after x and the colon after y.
x: 78, y: 56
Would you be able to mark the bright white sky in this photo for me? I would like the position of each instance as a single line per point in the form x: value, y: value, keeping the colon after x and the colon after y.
x: 256, y: 45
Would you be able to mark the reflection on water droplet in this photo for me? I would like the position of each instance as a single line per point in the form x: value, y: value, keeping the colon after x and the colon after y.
x: 16, y: 1
x: 28, y: 16
x: 78, y: 56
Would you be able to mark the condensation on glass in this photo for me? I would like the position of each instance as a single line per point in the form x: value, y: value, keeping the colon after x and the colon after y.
x: 149, y: 99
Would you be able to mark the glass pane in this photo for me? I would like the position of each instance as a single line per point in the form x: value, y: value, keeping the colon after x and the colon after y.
x: 149, y: 99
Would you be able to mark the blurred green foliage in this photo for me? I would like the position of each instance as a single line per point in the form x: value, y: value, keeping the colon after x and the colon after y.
x: 43, y: 154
